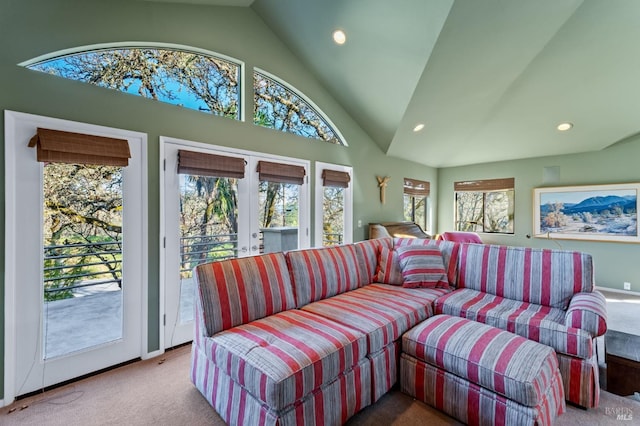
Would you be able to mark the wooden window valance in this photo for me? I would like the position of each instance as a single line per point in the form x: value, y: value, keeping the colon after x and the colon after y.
x: 201, y: 164
x: 282, y: 173
x: 55, y: 146
x: 335, y: 178
x: 485, y: 185
x: 417, y: 188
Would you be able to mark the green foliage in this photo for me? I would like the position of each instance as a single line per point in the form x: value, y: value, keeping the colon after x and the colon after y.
x: 179, y: 77
x: 333, y: 216
x: 208, y: 220
x: 280, y: 107
x: 415, y: 210
x: 82, y: 209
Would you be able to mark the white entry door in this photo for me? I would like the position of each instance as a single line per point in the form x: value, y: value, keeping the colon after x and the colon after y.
x: 209, y: 217
x: 75, y: 257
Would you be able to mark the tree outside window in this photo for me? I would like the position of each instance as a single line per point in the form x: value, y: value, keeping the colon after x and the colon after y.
x: 179, y: 77
x: 278, y: 106
x: 485, y: 206
x: 416, y: 195
x: 334, y: 205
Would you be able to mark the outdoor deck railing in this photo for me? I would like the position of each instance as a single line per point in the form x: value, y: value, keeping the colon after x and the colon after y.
x: 72, y: 266
x: 205, y: 248
x: 332, y: 239
x: 97, y: 263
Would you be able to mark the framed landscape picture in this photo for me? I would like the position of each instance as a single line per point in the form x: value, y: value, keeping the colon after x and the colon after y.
x: 592, y: 212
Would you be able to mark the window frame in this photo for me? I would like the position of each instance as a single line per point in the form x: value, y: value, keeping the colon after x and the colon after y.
x: 151, y: 45
x: 305, y: 98
x: 19, y: 127
x: 409, y: 191
x: 485, y: 187
x: 319, y: 198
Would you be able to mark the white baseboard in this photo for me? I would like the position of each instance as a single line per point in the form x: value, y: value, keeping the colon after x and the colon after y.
x: 615, y: 290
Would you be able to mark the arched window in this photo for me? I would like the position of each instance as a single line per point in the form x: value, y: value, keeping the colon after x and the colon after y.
x: 180, y: 76
x: 281, y: 107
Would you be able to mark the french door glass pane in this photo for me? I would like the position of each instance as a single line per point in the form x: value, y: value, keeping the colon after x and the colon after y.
x: 83, y: 207
x: 332, y: 216
x: 278, y: 205
x: 208, y: 229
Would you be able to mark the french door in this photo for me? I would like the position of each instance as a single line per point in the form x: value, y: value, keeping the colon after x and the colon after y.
x: 254, y: 206
x: 75, y: 253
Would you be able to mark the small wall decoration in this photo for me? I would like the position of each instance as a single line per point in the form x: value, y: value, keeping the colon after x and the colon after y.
x: 382, y: 184
x: 590, y: 212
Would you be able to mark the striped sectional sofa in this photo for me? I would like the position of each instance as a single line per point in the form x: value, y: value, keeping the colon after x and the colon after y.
x: 543, y: 295
x: 306, y: 337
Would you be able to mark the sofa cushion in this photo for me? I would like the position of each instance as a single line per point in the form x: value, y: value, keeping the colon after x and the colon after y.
x: 461, y: 237
x: 236, y: 291
x: 368, y: 251
x: 535, y: 322
x: 422, y: 266
x: 388, y: 270
x: 282, y: 358
x: 382, y: 312
x: 540, y: 276
x: 502, y: 362
x: 325, y: 272
x: 448, y: 249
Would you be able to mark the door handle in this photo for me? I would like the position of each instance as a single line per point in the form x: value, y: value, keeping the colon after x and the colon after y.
x: 254, y: 248
x: 244, y: 249
x: 254, y: 235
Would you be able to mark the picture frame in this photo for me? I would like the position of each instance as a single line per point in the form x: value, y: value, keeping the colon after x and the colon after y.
x: 587, y: 212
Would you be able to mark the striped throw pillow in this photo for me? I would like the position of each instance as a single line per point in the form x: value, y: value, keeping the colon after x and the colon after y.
x: 388, y: 269
x: 422, y: 266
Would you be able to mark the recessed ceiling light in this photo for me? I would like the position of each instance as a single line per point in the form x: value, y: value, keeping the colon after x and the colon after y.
x: 339, y: 37
x: 563, y: 127
x: 418, y: 127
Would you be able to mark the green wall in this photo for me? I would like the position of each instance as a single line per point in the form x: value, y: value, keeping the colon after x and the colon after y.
x: 614, y: 263
x: 30, y: 28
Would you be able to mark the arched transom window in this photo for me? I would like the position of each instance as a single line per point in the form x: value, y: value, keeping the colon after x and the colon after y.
x: 190, y: 79
x: 281, y: 107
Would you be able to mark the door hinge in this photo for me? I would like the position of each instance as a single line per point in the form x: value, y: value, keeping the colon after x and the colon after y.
x: 307, y: 232
x: 164, y: 164
x: 164, y: 320
x: 164, y: 242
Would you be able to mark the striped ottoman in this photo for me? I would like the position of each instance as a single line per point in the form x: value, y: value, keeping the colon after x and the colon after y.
x: 479, y: 374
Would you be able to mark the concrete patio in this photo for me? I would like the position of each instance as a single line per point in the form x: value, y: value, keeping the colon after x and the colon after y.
x: 94, y: 317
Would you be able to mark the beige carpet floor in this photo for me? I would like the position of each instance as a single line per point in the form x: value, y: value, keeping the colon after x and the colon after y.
x: 158, y: 392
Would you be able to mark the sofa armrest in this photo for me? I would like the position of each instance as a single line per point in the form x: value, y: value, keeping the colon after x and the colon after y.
x: 588, y: 311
